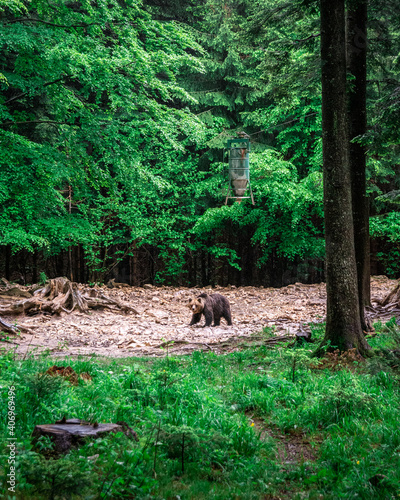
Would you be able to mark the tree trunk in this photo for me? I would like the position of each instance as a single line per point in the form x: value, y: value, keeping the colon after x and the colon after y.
x: 343, y: 326
x: 357, y: 66
x: 34, y: 267
x: 7, y: 264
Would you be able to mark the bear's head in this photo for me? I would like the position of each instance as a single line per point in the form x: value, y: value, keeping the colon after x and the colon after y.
x: 196, y: 305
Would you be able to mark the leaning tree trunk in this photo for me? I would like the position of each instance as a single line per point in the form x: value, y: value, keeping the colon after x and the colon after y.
x: 357, y: 121
x: 343, y: 326
x: 392, y: 298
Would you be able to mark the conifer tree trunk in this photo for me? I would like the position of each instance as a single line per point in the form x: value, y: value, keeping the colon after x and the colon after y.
x: 357, y: 66
x: 343, y: 326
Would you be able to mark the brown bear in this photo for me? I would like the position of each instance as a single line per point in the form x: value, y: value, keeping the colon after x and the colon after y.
x: 213, y: 306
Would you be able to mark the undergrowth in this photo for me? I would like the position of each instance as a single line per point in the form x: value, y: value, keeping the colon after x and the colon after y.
x: 261, y: 423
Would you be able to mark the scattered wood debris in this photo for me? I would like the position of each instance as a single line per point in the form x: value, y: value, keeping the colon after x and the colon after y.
x: 61, y: 295
x: 162, y: 319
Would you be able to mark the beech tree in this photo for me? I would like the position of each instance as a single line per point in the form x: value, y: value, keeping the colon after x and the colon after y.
x: 343, y: 325
x: 357, y: 119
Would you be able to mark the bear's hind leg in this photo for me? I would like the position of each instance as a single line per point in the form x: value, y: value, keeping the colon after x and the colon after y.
x: 228, y: 317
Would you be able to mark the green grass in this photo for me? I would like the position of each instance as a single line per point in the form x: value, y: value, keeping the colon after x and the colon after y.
x: 261, y: 423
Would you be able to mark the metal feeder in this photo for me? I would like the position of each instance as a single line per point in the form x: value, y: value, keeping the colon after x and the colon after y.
x: 239, y: 170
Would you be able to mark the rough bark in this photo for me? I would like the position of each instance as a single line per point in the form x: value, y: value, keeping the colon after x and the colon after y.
x: 343, y: 326
x: 357, y: 67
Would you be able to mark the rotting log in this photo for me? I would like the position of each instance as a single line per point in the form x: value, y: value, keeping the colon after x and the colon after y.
x: 61, y: 295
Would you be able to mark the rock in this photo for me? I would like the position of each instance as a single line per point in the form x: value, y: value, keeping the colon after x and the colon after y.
x: 158, y: 313
x: 316, y: 302
x: 112, y: 284
x: 147, y: 286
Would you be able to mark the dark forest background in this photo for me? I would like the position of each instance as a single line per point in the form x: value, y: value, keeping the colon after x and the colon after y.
x: 113, y: 119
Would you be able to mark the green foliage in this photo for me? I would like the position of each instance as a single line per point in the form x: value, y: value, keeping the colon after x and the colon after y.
x: 52, y: 478
x: 98, y: 129
x: 387, y: 228
x: 113, y: 117
x: 211, y: 424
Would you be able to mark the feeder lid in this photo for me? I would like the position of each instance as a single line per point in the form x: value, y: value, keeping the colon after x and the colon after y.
x: 238, y: 143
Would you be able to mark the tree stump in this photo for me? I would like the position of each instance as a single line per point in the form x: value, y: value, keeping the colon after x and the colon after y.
x: 72, y: 432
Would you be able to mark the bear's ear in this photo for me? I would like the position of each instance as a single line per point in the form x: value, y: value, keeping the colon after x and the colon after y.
x: 199, y: 301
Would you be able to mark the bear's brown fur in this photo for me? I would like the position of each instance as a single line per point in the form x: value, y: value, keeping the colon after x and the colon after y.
x: 213, y: 307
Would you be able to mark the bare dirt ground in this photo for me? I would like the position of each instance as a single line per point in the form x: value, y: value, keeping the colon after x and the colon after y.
x: 163, y: 318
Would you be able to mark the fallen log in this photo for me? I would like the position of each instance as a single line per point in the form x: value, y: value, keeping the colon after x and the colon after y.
x: 15, y: 292
x: 61, y: 295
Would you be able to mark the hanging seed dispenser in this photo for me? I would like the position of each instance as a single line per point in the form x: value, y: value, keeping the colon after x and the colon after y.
x: 239, y: 187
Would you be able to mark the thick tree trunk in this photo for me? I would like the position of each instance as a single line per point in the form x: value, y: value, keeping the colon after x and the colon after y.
x: 343, y: 326
x: 357, y: 67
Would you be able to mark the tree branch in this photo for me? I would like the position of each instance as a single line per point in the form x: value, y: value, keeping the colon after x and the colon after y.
x: 24, y: 93
x: 306, y: 39
x: 33, y: 121
x: 284, y: 123
x: 79, y: 25
x: 35, y: 20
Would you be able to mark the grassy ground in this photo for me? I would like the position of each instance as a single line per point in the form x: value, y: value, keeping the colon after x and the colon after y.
x: 262, y: 423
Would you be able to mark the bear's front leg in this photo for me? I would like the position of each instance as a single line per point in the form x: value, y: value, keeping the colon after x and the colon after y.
x: 195, y: 319
x: 208, y: 316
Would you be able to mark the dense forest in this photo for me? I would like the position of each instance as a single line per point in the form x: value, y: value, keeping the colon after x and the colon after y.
x: 113, y: 121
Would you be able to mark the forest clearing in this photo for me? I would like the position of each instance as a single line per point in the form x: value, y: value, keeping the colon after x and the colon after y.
x: 162, y: 320
x: 251, y: 421
x: 166, y: 161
